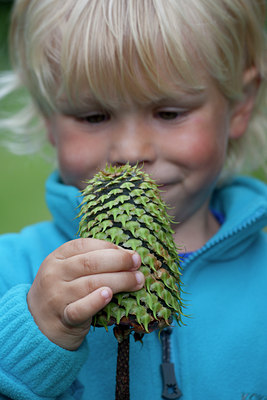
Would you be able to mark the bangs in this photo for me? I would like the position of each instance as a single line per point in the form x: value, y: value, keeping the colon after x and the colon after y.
x: 122, y: 54
x: 112, y: 52
x: 116, y: 51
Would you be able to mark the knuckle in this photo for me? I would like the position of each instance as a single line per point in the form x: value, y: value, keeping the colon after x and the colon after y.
x: 110, y: 245
x: 89, y: 265
x: 71, y: 314
x: 54, y: 301
x: 79, y: 245
x: 106, y: 244
x: 47, y: 279
x: 90, y: 285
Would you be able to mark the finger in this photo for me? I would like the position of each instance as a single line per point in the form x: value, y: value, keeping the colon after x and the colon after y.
x: 83, y: 309
x: 81, y: 246
x: 117, y: 282
x: 100, y: 261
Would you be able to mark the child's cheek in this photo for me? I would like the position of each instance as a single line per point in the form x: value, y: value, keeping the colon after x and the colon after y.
x: 204, y: 151
x: 78, y: 161
x: 205, y: 142
x: 196, y: 150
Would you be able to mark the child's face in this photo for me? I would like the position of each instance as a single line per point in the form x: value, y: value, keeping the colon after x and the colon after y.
x: 181, y: 142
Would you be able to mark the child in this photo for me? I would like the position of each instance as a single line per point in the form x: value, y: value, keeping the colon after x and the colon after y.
x: 177, y: 86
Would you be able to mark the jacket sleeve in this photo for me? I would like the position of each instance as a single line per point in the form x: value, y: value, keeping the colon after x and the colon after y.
x: 32, y: 367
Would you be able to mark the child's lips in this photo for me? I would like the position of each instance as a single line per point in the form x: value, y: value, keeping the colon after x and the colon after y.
x: 162, y: 186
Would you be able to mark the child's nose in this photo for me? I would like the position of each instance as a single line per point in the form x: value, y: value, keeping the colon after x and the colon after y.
x: 133, y: 143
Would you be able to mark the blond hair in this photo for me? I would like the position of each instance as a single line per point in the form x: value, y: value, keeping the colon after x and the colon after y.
x: 66, y: 50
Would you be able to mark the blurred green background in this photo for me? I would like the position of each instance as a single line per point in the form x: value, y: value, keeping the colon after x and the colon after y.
x: 22, y: 178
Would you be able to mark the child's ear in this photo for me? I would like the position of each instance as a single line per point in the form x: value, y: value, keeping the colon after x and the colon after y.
x: 242, y: 110
x: 49, y: 131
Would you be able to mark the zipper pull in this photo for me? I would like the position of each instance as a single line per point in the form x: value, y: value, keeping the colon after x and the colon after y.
x: 170, y: 386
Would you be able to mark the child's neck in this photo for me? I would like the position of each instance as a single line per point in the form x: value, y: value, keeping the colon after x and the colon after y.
x: 193, y: 233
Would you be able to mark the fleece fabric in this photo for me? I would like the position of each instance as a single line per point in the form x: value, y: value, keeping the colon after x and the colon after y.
x: 219, y: 354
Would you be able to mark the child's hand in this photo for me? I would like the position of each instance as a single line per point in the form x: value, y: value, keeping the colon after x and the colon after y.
x: 77, y: 280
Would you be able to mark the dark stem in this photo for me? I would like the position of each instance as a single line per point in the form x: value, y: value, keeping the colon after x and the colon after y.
x: 122, y: 376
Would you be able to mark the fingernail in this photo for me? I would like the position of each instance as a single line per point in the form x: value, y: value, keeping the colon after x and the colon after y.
x: 105, y: 293
x: 139, y: 277
x: 136, y: 260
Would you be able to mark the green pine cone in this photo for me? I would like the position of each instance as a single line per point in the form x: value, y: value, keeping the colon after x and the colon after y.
x: 123, y: 205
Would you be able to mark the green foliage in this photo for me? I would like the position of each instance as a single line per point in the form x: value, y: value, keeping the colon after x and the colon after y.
x: 22, y: 199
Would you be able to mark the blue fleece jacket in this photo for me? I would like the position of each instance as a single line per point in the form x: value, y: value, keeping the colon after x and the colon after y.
x: 221, y: 352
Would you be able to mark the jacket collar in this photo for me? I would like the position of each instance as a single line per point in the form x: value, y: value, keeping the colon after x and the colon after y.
x: 243, y: 202
x: 63, y: 202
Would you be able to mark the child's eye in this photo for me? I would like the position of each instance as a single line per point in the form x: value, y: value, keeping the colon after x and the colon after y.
x: 96, y: 118
x: 169, y: 115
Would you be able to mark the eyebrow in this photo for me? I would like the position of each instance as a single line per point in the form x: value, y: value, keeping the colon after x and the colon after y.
x: 183, y: 98
x: 67, y: 107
